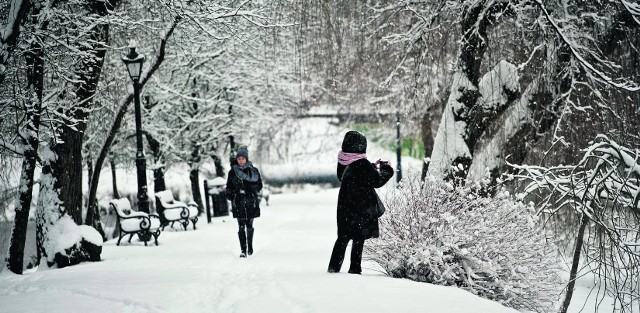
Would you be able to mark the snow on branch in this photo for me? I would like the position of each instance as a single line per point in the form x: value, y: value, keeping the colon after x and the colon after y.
x: 573, y: 46
x: 633, y: 9
x: 602, y: 190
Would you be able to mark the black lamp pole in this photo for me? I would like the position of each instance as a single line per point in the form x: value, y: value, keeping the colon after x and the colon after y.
x: 229, y: 94
x: 398, y: 150
x: 232, y: 143
x: 134, y: 61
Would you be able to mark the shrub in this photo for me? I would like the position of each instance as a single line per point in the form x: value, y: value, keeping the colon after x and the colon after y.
x: 492, y: 247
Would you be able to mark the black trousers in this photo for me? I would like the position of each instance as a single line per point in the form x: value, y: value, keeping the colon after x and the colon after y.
x: 339, y: 249
x: 245, y: 222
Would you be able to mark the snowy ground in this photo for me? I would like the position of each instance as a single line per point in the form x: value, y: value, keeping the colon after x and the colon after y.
x: 199, y: 271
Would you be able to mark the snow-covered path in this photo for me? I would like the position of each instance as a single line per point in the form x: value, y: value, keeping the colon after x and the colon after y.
x: 200, y: 271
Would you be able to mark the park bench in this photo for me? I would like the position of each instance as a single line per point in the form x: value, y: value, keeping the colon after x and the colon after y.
x: 171, y: 210
x: 134, y: 222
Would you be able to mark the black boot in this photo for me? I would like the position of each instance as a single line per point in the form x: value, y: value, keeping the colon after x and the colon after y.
x: 250, y: 240
x: 337, y: 255
x: 243, y: 243
x: 356, y: 256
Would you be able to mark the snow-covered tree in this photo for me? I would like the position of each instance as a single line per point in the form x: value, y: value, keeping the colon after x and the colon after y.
x: 594, y: 205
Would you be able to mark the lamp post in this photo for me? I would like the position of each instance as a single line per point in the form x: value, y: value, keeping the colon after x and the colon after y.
x: 398, y: 149
x: 134, y: 61
x: 229, y: 95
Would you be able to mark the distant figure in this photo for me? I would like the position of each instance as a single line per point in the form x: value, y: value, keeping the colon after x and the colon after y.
x: 264, y: 194
x: 243, y: 184
x: 359, y: 177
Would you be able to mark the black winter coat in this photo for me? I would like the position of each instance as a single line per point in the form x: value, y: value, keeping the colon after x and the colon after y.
x: 357, y: 195
x: 243, y: 193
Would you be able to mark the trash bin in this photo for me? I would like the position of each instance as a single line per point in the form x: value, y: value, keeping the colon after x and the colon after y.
x: 215, y: 192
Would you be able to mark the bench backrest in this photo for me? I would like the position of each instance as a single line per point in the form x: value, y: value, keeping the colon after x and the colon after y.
x: 122, y: 206
x: 165, y: 196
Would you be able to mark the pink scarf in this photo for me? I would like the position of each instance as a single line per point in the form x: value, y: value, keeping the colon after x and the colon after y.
x: 346, y: 158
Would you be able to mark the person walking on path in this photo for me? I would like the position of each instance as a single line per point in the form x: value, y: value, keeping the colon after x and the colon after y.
x: 243, y: 184
x: 357, y: 195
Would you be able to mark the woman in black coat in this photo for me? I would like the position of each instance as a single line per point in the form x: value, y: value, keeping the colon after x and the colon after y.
x: 356, y: 200
x: 243, y: 184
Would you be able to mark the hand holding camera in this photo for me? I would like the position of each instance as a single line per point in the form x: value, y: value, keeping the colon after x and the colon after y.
x: 381, y: 162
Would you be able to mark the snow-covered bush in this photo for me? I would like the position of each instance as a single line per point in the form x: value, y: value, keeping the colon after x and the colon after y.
x: 492, y: 247
x: 74, y: 243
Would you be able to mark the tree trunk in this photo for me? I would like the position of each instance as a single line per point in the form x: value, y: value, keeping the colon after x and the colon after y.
x: 15, y: 256
x: 217, y: 162
x: 576, y: 263
x: 194, y: 177
x: 48, y: 210
x: 158, y: 163
x: 454, y: 140
x: 114, y: 184
x: 8, y: 44
x: 34, y: 58
x: 67, y: 168
x: 427, y: 141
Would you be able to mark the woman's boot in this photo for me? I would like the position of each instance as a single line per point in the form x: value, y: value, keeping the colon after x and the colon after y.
x: 243, y: 243
x: 250, y: 240
x: 356, y: 256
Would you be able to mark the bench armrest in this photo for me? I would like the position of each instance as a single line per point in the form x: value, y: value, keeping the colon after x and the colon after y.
x: 175, y: 204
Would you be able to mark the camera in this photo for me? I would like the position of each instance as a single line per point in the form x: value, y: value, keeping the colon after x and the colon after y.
x: 383, y: 162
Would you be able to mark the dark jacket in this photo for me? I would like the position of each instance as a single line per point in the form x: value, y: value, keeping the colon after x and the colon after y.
x: 357, y: 196
x: 243, y: 185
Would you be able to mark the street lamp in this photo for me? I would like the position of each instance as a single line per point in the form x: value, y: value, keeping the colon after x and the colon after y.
x: 229, y: 95
x: 398, y: 149
x: 134, y: 61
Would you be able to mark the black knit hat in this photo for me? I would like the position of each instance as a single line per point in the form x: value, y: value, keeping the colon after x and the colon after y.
x: 354, y: 142
x: 243, y: 152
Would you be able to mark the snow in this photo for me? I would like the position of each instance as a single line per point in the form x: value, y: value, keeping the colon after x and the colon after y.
x: 68, y: 234
x: 90, y: 234
x: 449, y: 142
x: 493, y: 84
x: 200, y: 271
x: 488, y: 154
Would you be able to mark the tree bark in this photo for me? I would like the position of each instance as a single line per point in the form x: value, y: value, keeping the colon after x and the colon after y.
x: 217, y: 162
x: 194, y: 177
x: 8, y: 43
x: 458, y: 133
x: 15, y: 256
x: 158, y: 160
x: 114, y: 184
x: 427, y: 141
x: 573, y: 274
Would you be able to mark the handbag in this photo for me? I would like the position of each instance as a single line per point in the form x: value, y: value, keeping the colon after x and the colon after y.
x: 380, y: 209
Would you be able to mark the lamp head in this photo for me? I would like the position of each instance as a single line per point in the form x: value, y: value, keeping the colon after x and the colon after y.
x: 134, y: 62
